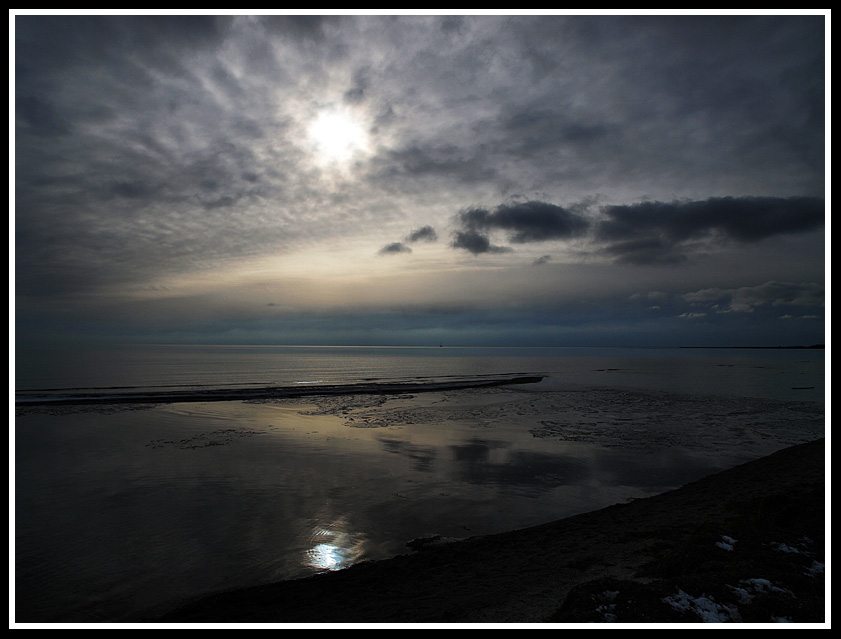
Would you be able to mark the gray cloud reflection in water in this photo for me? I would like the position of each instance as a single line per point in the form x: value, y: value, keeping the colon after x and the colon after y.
x: 495, y: 462
x: 480, y: 462
x: 422, y: 457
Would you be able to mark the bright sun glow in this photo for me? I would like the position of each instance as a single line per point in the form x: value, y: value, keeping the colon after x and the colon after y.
x: 337, y: 136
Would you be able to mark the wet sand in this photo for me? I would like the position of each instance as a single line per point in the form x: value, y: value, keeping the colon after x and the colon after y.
x: 743, y: 545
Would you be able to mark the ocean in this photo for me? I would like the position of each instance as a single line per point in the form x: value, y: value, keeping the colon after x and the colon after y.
x: 148, y: 494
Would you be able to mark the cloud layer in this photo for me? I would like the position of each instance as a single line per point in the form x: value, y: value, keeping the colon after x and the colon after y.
x: 166, y: 164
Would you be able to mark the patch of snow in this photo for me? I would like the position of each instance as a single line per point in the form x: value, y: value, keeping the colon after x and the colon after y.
x: 816, y: 568
x: 726, y: 543
x: 607, y: 610
x: 749, y: 588
x: 787, y: 548
x: 705, y: 607
x: 760, y: 584
x: 745, y: 597
x: 802, y: 543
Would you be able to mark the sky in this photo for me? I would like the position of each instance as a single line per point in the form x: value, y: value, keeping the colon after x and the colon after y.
x: 476, y: 180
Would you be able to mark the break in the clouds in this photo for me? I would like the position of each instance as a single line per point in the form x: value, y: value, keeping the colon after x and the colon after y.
x: 174, y: 173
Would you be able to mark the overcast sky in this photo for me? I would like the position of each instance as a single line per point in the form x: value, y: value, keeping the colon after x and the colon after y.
x: 473, y: 180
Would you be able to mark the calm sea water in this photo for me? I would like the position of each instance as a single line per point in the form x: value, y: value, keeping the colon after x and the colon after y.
x: 121, y: 512
x: 772, y: 373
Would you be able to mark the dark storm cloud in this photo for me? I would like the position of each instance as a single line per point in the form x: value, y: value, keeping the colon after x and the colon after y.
x: 652, y: 232
x: 644, y: 233
x: 745, y: 219
x: 476, y: 243
x: 645, y: 251
x: 394, y: 248
x: 423, y: 234
x: 524, y: 222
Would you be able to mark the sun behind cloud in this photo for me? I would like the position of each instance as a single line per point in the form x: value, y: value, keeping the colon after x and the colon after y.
x: 337, y: 135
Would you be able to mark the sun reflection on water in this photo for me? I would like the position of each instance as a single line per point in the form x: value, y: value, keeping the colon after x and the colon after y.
x: 332, y: 547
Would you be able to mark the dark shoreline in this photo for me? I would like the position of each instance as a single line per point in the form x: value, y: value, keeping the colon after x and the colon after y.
x: 721, y: 538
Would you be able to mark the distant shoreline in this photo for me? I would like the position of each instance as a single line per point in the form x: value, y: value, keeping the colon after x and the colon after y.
x: 813, y: 347
x: 87, y: 345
